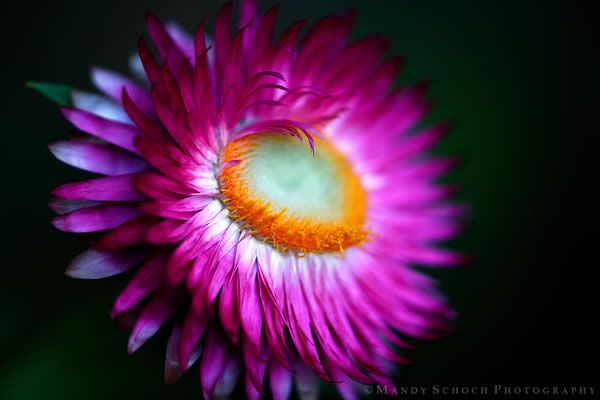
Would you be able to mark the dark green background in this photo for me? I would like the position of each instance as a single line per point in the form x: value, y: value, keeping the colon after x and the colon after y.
x: 499, y: 70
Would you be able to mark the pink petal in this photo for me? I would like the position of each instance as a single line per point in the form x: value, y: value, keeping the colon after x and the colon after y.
x: 173, y: 370
x: 280, y: 380
x: 182, y: 39
x: 94, y: 264
x: 250, y: 307
x: 193, y: 328
x: 213, y: 362
x: 128, y: 234
x: 117, y: 133
x: 96, y: 157
x: 64, y: 206
x: 165, y: 44
x: 346, y: 390
x: 251, y: 391
x: 229, y: 378
x: 222, y: 39
x: 97, y: 218
x: 100, y: 106
x: 147, y: 279
x: 112, y: 84
x: 256, y: 365
x: 112, y: 188
x: 145, y: 124
x: 153, y: 315
x: 307, y: 382
x: 228, y: 307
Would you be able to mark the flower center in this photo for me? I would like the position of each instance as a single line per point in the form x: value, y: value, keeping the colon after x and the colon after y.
x: 283, y: 194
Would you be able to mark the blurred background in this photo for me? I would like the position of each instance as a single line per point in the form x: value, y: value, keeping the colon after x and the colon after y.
x: 499, y: 70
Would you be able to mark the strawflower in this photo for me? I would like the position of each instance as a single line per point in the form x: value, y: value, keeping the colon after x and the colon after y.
x: 274, y: 192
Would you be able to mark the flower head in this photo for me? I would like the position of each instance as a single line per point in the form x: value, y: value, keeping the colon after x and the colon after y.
x: 275, y: 192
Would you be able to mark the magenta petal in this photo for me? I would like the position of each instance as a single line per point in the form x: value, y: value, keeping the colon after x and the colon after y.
x: 251, y: 391
x: 299, y: 327
x: 146, y: 280
x: 228, y: 308
x: 222, y: 38
x: 97, y: 218
x: 154, y: 314
x: 165, y: 44
x: 250, y: 310
x: 112, y: 84
x: 193, y: 328
x: 117, y: 133
x: 94, y: 264
x: 307, y: 382
x: 213, y: 362
x: 100, y: 106
x: 248, y: 11
x: 228, y: 379
x: 111, y: 188
x: 97, y: 157
x: 173, y: 370
x: 224, y: 265
x: 346, y: 390
x: 433, y: 256
x: 131, y: 233
x: 251, y: 313
x: 256, y: 366
x: 137, y: 68
x: 280, y: 380
x: 182, y: 39
x: 64, y: 206
x: 163, y: 232
x: 145, y: 124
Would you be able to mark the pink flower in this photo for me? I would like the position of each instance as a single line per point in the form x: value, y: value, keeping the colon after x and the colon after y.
x: 276, y: 193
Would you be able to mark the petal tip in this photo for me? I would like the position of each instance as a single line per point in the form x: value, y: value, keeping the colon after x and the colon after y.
x: 172, y: 372
x: 134, y: 344
x: 73, y: 271
x: 59, y: 223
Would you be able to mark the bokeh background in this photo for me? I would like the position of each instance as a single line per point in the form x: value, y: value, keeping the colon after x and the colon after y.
x: 499, y: 70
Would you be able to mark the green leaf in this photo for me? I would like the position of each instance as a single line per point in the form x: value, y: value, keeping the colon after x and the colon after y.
x: 60, y: 94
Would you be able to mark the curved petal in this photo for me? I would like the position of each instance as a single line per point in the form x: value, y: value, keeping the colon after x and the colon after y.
x: 100, y: 106
x: 97, y: 218
x: 112, y: 188
x: 97, y: 157
x: 94, y: 264
x: 117, y: 133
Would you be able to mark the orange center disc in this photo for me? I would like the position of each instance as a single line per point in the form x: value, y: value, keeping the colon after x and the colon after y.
x: 274, y: 187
